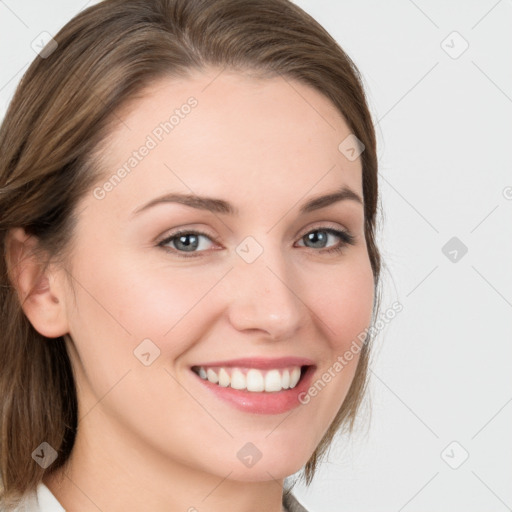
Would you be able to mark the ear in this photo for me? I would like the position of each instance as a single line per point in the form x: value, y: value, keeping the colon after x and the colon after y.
x: 41, y: 294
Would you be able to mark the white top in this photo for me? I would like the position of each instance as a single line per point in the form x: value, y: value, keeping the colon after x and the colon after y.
x: 42, y: 500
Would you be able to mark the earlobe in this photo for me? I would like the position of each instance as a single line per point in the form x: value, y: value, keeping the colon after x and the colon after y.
x: 40, y: 293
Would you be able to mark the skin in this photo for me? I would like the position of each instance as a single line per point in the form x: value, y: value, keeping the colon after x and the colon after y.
x: 151, y: 437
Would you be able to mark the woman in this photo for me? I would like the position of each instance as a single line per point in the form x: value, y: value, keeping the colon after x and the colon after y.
x: 188, y: 198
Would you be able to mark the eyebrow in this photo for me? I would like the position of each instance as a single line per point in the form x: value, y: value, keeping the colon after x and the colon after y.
x: 221, y: 206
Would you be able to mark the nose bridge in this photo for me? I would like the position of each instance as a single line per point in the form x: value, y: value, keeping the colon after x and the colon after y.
x: 264, y: 295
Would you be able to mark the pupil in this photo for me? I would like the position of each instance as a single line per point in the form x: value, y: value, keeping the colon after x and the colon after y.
x: 188, y: 246
x: 317, y: 236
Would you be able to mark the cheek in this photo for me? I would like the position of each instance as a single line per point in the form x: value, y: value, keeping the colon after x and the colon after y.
x: 345, y: 301
x: 344, y: 311
x: 138, y: 301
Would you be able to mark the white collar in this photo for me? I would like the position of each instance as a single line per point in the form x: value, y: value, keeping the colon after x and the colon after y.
x: 40, y: 500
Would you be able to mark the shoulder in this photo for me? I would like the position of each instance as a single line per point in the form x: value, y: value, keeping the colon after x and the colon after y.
x: 291, y: 504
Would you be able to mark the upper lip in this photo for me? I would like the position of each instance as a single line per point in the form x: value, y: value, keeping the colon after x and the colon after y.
x: 260, y: 362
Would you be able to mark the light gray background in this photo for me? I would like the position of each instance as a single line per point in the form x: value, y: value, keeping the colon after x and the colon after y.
x: 442, y: 368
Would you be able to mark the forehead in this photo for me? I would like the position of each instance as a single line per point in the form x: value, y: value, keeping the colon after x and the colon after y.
x: 228, y: 134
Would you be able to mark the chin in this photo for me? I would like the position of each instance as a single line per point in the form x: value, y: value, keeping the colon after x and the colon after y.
x: 278, y: 467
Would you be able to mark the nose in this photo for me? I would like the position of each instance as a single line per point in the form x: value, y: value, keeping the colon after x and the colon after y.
x: 265, y: 297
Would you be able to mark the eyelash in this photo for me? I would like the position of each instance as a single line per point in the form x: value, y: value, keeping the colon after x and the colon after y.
x: 345, y: 237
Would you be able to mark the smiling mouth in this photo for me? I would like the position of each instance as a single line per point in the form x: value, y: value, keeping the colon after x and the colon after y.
x: 254, y: 380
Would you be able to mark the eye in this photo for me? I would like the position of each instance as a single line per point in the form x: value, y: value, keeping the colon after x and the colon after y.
x: 188, y: 244
x: 185, y: 242
x: 320, y: 236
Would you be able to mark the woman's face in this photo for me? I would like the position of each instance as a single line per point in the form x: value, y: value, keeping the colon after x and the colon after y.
x: 245, y: 282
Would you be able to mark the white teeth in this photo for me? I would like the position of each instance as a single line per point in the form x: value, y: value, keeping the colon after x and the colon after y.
x: 255, y: 381
x: 294, y: 377
x: 223, y: 378
x: 273, y: 381
x: 238, y: 380
x: 211, y: 375
x: 252, y: 379
x: 286, y: 379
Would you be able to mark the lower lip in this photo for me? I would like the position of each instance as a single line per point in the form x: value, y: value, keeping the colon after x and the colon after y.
x: 276, y: 402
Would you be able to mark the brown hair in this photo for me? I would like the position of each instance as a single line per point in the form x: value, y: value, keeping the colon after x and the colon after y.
x: 63, y: 109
